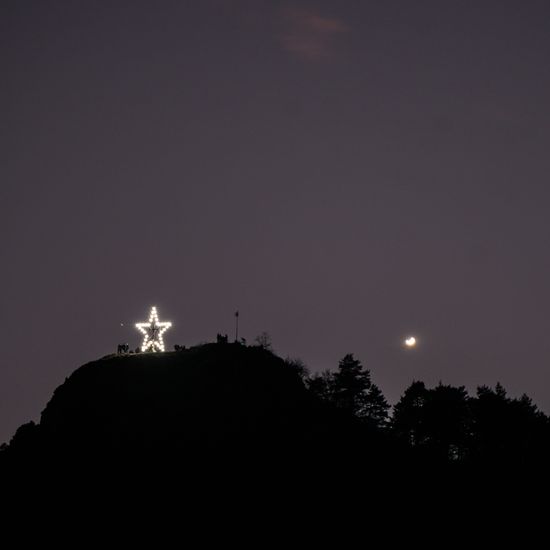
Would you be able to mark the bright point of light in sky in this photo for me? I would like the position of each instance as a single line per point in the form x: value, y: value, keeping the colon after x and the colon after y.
x: 410, y: 342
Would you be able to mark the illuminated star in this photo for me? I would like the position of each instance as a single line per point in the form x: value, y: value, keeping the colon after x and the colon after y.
x: 153, y: 331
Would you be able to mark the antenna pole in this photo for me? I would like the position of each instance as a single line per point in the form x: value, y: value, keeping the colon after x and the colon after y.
x: 237, y: 326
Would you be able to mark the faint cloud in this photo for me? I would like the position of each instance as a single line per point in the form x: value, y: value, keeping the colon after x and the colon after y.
x: 309, y: 35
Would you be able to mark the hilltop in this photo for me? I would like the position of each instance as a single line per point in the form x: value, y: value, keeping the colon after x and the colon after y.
x: 228, y: 402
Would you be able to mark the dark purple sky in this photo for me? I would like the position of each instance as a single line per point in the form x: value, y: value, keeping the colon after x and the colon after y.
x: 345, y: 173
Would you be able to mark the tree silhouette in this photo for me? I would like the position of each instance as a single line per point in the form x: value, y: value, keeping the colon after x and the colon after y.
x: 376, y: 407
x: 437, y: 420
x: 407, y: 421
x: 263, y: 340
x: 447, y: 421
x: 507, y: 431
x: 351, y: 384
x: 354, y: 391
x: 322, y: 385
x: 298, y: 366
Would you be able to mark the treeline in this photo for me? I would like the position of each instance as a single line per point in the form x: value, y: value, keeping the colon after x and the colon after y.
x: 444, y: 423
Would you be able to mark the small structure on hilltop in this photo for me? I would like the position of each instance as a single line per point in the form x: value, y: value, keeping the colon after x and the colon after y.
x: 123, y: 348
x: 221, y: 338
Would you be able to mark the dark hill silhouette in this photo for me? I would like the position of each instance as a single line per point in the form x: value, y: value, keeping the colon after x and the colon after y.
x: 227, y: 404
x: 218, y: 418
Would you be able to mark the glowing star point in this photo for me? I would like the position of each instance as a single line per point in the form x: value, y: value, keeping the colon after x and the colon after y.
x: 152, y: 332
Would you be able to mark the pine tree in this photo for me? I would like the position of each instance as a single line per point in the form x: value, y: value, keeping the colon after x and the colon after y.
x: 408, y: 413
x: 355, y: 392
x: 322, y: 385
x: 351, y: 385
x: 376, y: 407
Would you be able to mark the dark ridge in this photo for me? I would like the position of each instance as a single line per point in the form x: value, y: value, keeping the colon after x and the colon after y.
x: 215, y: 405
x: 219, y: 414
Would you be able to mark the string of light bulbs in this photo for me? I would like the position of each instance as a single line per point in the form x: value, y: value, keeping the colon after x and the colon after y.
x: 152, y: 332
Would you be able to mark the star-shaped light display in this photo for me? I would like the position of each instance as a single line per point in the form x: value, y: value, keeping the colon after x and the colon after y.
x: 153, y: 331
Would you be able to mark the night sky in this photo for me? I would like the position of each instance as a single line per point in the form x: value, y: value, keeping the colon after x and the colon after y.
x: 343, y: 173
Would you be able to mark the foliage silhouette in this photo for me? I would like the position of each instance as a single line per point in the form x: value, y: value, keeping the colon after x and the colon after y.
x: 351, y: 389
x: 489, y: 430
x: 263, y: 340
x: 507, y: 431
